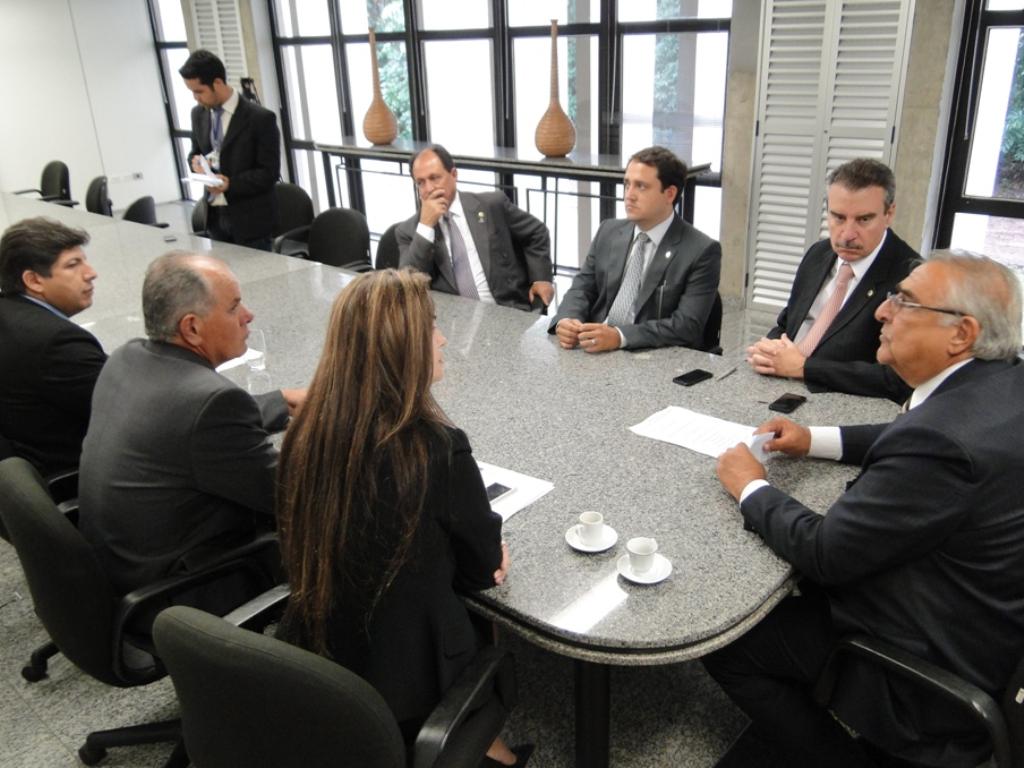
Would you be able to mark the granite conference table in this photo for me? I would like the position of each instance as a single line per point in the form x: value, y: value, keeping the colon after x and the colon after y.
x: 563, y: 416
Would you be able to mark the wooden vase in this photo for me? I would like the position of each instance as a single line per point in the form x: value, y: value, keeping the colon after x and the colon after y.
x: 379, y: 125
x: 556, y: 135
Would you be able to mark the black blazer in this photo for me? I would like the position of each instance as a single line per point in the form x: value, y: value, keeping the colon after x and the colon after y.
x: 420, y: 636
x: 676, y: 295
x: 50, y: 366
x: 844, y: 360
x: 514, y: 248
x: 250, y: 156
x: 925, y: 550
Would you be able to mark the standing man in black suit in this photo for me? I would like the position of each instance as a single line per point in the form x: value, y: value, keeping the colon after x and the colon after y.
x: 240, y: 141
x: 827, y: 334
x: 177, y: 465
x: 924, y: 550
x: 650, y: 279
x: 49, y: 363
x: 477, y: 245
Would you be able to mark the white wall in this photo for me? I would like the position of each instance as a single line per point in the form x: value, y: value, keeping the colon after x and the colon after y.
x: 81, y: 84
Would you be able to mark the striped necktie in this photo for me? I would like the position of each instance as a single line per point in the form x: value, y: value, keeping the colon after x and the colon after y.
x: 622, y: 312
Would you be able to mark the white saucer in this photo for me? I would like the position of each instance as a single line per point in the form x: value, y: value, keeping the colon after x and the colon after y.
x: 572, y: 538
x: 659, y: 571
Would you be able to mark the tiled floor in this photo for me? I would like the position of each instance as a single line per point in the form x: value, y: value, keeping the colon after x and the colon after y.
x: 672, y: 716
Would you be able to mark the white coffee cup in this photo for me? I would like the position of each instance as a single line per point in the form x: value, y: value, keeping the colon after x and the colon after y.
x: 641, y: 553
x: 591, y: 528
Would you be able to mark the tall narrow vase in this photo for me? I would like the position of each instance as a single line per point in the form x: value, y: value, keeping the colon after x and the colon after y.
x: 379, y: 125
x: 556, y: 135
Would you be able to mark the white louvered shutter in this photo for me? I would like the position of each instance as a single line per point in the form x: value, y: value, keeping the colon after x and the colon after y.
x: 831, y: 74
x: 218, y: 28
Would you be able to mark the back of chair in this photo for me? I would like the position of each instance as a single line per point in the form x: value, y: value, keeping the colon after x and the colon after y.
x: 142, y: 211
x: 199, y: 216
x: 1013, y: 711
x: 294, y: 207
x: 387, y: 249
x: 96, y: 200
x: 713, y: 328
x: 340, y: 237
x: 248, y: 699
x: 70, y: 592
x: 56, y: 181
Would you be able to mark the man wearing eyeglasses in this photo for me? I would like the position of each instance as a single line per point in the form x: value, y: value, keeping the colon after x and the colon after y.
x: 827, y: 334
x: 925, y: 549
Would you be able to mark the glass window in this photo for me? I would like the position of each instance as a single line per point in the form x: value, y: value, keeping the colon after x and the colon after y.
x: 648, y: 10
x: 1004, y: 5
x: 997, y: 237
x: 577, y: 87
x: 297, y: 18
x: 571, y: 211
x: 383, y: 15
x: 182, y: 99
x: 312, y: 92
x: 996, y: 166
x: 664, y: 103
x: 536, y: 13
x: 460, y: 74
x: 394, y: 83
x: 171, y: 21
x: 460, y: 14
x: 389, y: 193
x: 707, y: 211
x: 309, y: 174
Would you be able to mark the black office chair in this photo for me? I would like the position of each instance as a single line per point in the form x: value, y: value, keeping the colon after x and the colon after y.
x: 96, y: 199
x: 143, y: 211
x: 1004, y: 724
x: 248, y: 699
x: 712, y: 341
x: 77, y: 605
x: 54, y: 185
x: 340, y: 237
x: 294, y: 215
x: 387, y: 249
x: 199, y: 217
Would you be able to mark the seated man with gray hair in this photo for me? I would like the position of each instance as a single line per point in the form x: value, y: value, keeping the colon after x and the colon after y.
x: 925, y: 549
x: 177, y: 465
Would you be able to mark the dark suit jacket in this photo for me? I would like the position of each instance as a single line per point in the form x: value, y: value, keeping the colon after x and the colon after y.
x: 50, y: 366
x: 675, y: 297
x: 250, y: 156
x: 419, y: 636
x: 177, y: 465
x: 844, y: 360
x: 513, y: 245
x: 925, y: 549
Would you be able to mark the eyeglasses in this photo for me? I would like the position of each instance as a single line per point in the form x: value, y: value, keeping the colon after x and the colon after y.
x: 899, y: 301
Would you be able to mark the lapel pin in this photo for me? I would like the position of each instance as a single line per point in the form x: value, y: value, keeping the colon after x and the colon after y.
x: 668, y: 254
x: 871, y: 292
x: 481, y: 217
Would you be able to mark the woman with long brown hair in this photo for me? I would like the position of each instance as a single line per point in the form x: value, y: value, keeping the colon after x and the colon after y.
x: 382, y: 512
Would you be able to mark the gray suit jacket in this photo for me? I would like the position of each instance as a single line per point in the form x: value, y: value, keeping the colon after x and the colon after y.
x: 177, y: 465
x: 513, y: 245
x: 676, y: 295
x: 925, y: 549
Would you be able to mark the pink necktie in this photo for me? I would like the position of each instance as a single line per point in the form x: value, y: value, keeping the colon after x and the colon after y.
x: 828, y: 312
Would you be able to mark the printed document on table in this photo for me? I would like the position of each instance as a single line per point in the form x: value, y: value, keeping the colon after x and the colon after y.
x: 698, y: 432
x: 525, y: 489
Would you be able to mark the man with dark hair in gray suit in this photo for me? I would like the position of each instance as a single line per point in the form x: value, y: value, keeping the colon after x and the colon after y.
x: 477, y: 245
x: 177, y: 465
x: 650, y: 279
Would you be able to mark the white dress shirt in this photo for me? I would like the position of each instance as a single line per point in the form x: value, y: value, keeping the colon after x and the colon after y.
x: 458, y: 218
x: 827, y: 442
x: 229, y: 108
x: 656, y: 235
x: 859, y: 267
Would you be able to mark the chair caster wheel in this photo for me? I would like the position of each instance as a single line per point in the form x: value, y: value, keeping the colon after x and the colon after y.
x: 33, y: 674
x: 91, y: 755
